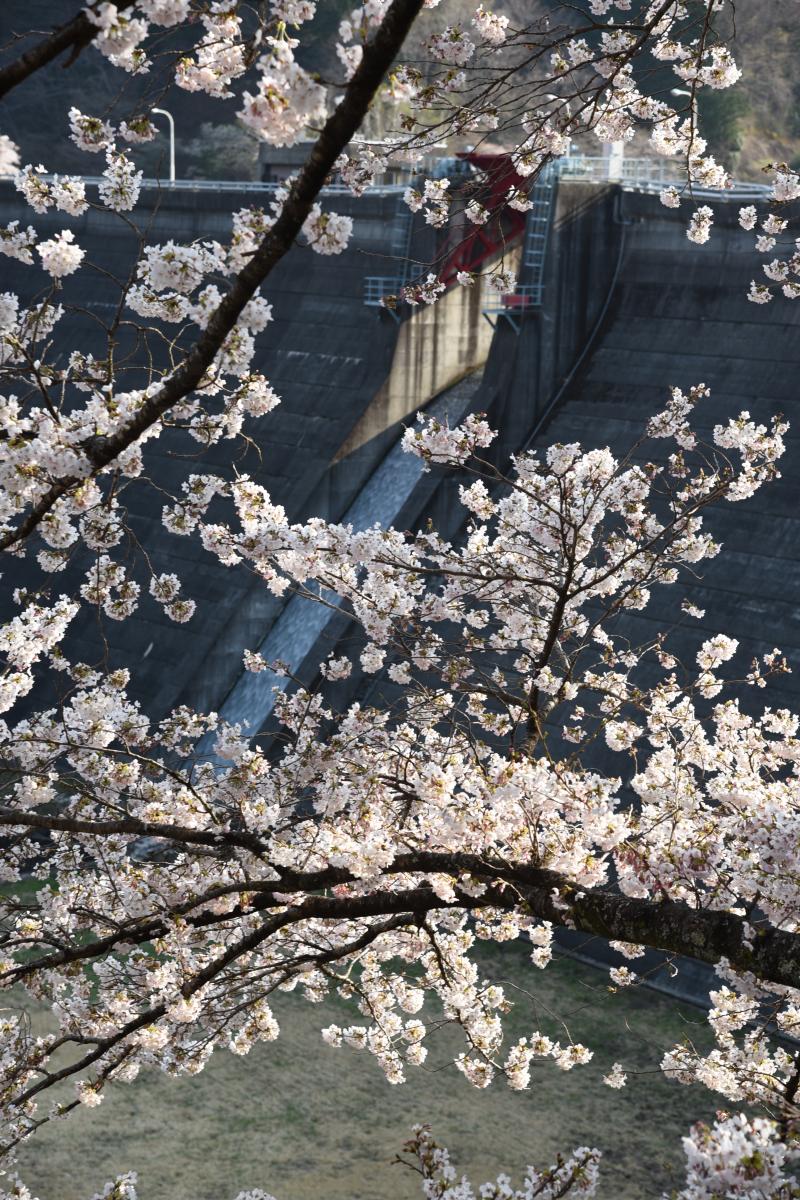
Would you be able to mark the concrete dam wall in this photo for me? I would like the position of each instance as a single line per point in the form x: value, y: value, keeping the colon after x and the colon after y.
x: 677, y: 316
x: 628, y: 301
x: 332, y: 360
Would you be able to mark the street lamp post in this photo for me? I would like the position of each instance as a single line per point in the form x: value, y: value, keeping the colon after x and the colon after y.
x: 163, y: 112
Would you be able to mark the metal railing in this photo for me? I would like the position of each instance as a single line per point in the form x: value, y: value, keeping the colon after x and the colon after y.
x: 641, y: 174
x: 376, y: 287
x: 232, y: 185
x: 527, y: 297
x: 649, y: 175
x: 739, y: 190
x: 537, y: 232
x: 600, y: 169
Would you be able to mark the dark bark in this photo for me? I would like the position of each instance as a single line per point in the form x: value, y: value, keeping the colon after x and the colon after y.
x: 136, y: 829
x: 74, y: 36
x: 706, y: 934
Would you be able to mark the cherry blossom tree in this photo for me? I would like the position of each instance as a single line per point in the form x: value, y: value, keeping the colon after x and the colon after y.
x: 180, y: 872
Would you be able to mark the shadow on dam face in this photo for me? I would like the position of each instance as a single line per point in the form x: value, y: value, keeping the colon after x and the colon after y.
x: 679, y: 316
x: 673, y: 314
x: 324, y: 353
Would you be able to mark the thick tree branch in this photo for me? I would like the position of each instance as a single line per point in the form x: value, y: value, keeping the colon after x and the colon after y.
x: 74, y: 36
x: 379, y: 54
x: 136, y: 828
x: 706, y: 934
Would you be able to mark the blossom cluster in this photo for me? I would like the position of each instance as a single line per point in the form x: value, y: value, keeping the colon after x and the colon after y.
x: 576, y: 1176
x: 288, y: 98
x: 780, y: 270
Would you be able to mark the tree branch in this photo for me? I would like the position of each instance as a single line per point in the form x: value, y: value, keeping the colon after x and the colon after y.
x: 136, y: 828
x: 74, y: 35
x: 706, y: 934
x: 379, y: 54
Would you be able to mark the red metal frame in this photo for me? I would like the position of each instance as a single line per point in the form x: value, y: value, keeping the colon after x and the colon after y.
x: 505, y: 225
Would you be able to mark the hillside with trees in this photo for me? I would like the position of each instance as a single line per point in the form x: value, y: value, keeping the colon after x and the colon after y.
x: 747, y: 128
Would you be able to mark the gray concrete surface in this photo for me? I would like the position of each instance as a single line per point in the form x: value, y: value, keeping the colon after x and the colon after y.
x: 325, y: 355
